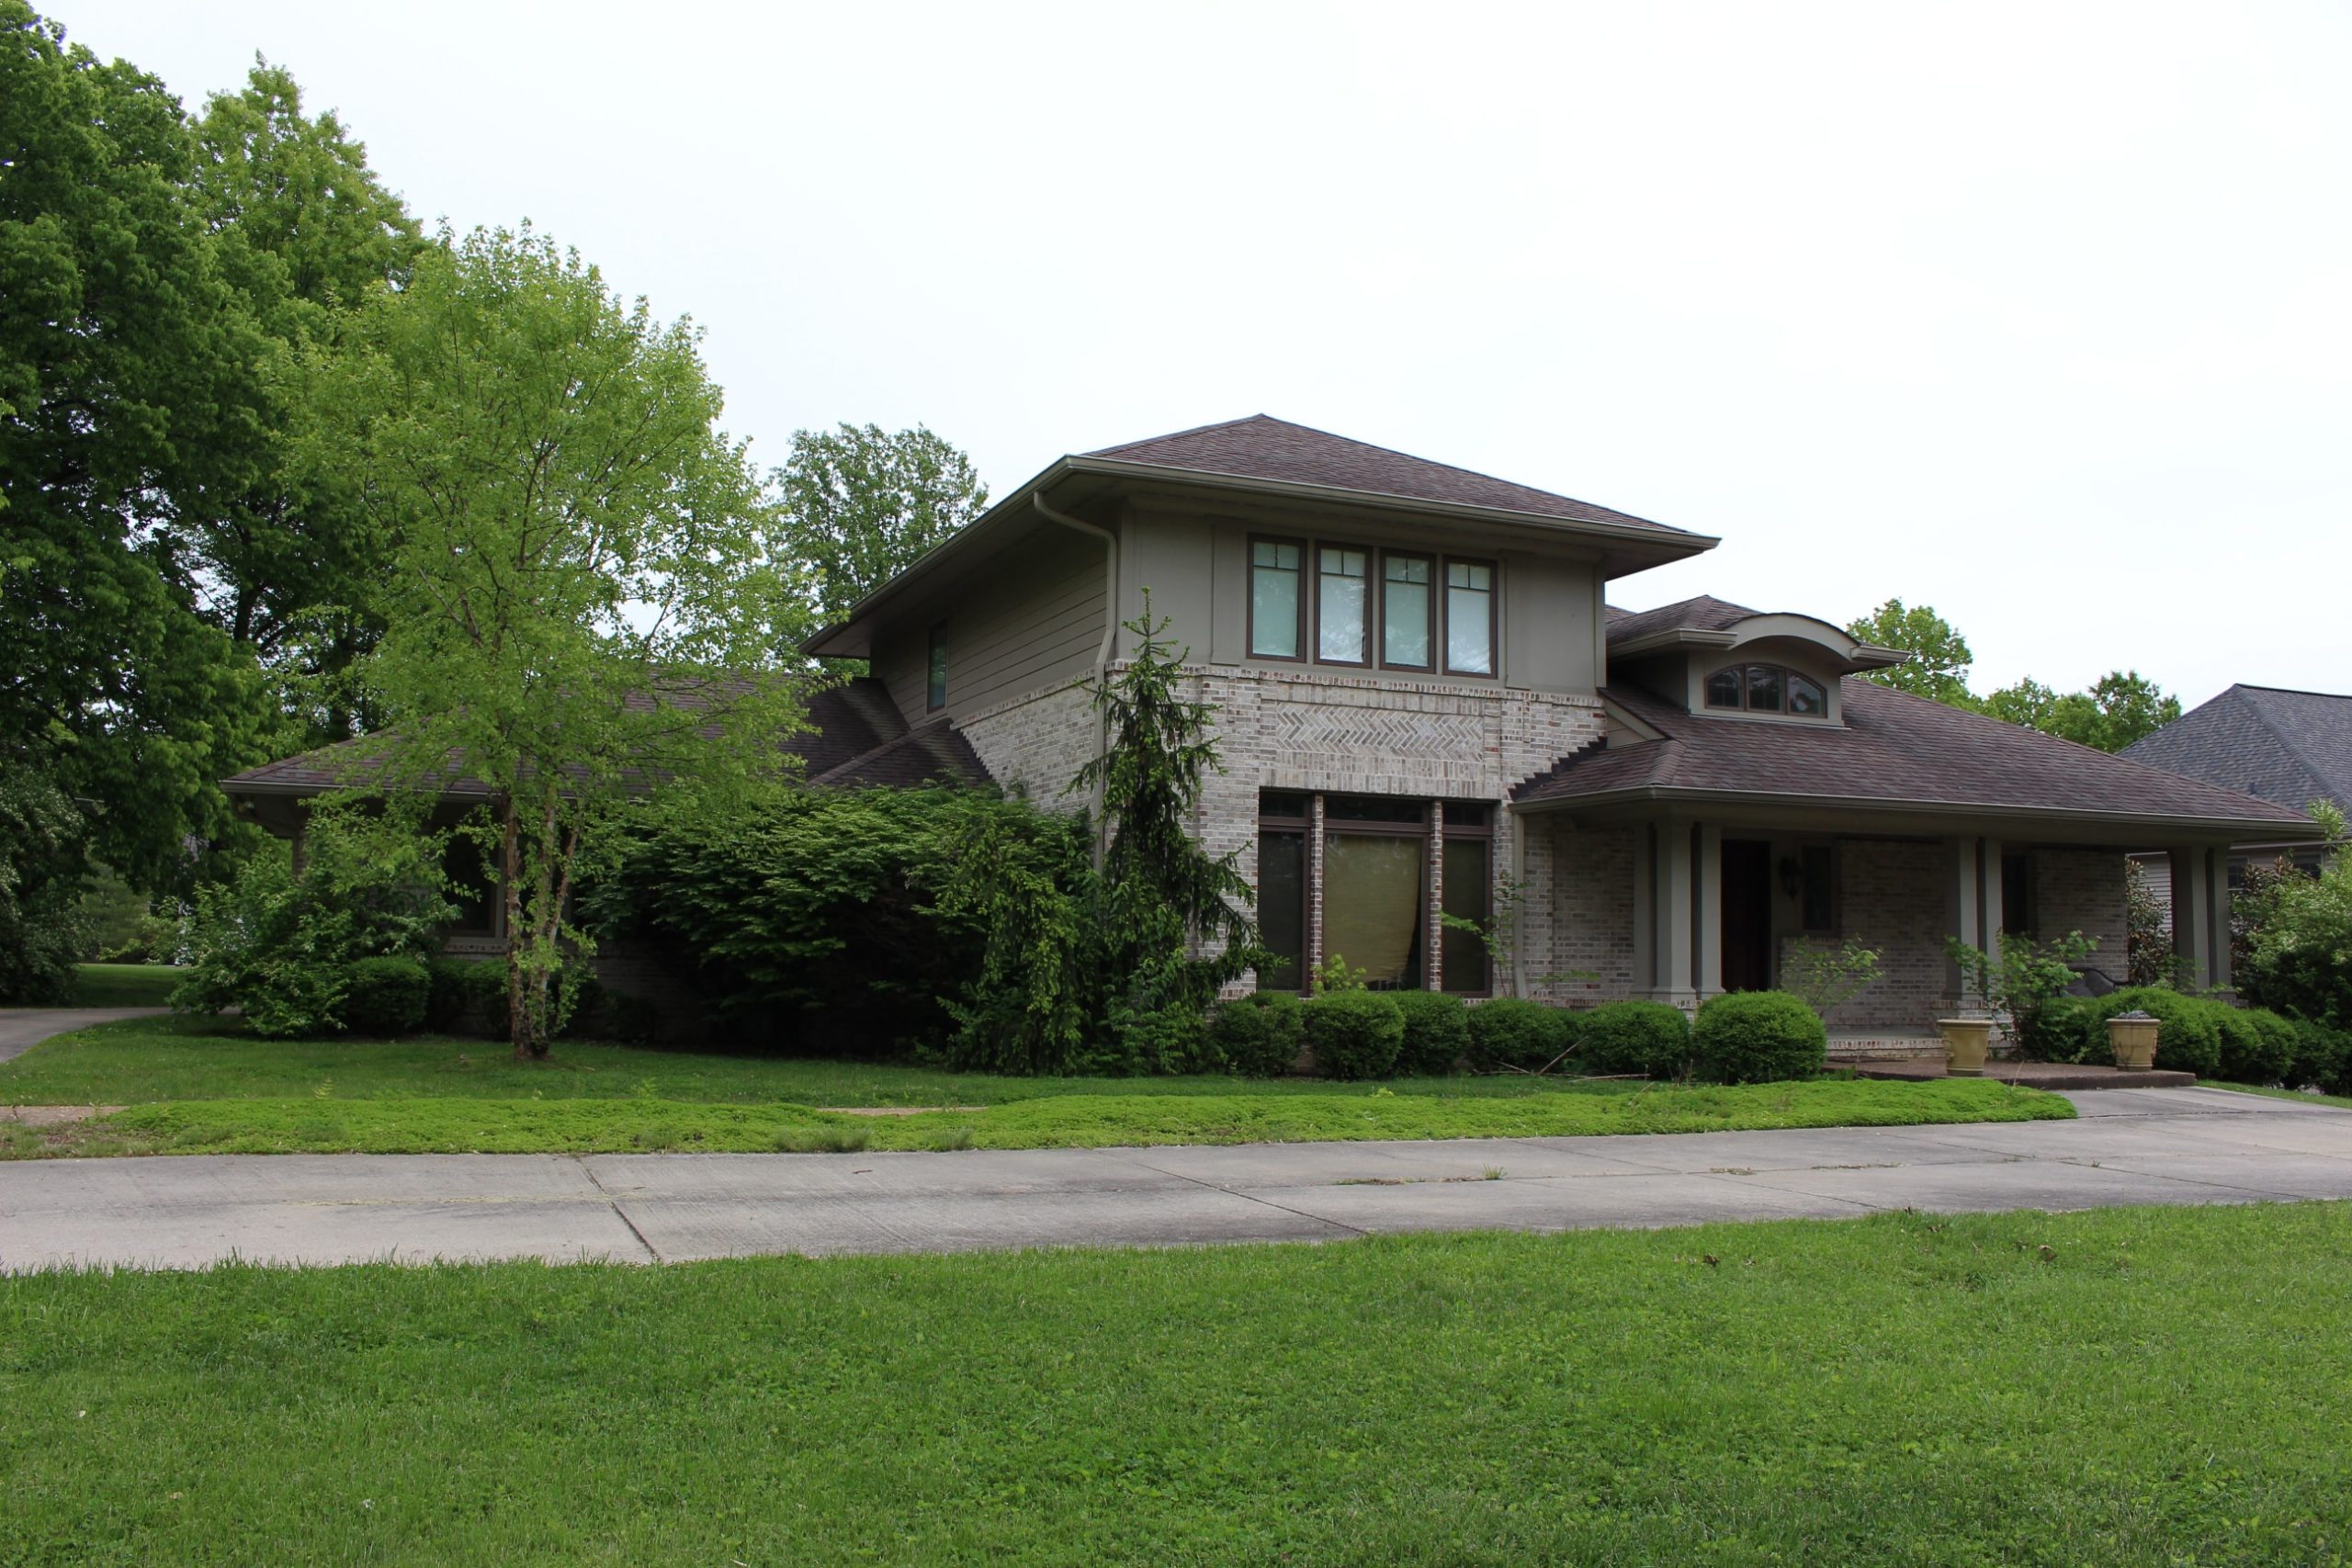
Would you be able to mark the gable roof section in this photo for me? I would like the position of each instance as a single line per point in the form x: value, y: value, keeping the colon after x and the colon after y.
x: 1263, y: 448
x: 1893, y: 750
x: 1704, y: 614
x: 2284, y: 746
x: 856, y: 736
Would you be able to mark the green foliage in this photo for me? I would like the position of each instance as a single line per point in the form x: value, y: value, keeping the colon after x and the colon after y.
x: 1651, y: 1038
x: 385, y: 997
x: 465, y: 994
x: 2210, y: 1037
x: 1939, y: 659
x: 572, y: 608
x: 1335, y: 974
x: 277, y: 943
x: 2298, y: 958
x: 1355, y: 1035
x: 1437, y: 1033
x: 2147, y: 932
x: 860, y: 506
x: 1758, y: 1037
x: 2322, y: 1058
x: 43, y: 931
x: 1512, y: 1032
x: 1259, y: 1035
x: 1823, y: 976
x: 2024, y: 980
x: 2120, y: 708
x: 2188, y: 1029
x: 1035, y: 1002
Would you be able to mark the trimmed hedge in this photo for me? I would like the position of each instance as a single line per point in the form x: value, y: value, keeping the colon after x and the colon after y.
x: 1511, y: 1031
x: 1355, y: 1035
x: 385, y: 996
x: 2323, y: 1056
x: 1437, y: 1033
x: 1758, y: 1037
x: 2209, y: 1037
x: 1634, y: 1037
x: 467, y: 994
x: 1259, y: 1035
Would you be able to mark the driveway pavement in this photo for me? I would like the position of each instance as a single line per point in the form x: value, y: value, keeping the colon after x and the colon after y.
x: 21, y: 1029
x: 2175, y: 1146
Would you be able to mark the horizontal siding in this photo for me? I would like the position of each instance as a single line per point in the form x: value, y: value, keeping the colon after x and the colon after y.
x: 1034, y: 618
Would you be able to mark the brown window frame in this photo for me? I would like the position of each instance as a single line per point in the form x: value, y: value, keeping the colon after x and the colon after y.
x: 1787, y: 672
x: 1484, y: 832
x: 935, y: 651
x: 1494, y: 618
x: 1429, y: 595
x: 1370, y: 566
x: 1304, y: 616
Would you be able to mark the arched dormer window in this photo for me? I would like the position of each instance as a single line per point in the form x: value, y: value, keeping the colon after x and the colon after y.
x: 1767, y: 688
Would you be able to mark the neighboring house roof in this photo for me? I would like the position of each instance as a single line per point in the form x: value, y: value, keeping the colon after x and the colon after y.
x: 856, y: 737
x: 1263, y: 448
x: 2284, y: 746
x: 1893, y: 750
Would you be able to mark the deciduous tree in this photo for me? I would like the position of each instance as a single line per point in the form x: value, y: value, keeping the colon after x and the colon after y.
x: 860, y: 505
x: 1939, y: 659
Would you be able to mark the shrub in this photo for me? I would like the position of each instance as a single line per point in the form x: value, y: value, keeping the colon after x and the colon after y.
x: 2257, y: 1045
x: 2322, y: 1058
x: 385, y: 996
x: 632, y: 1021
x: 1259, y: 1035
x: 1171, y: 1039
x: 467, y: 995
x: 1437, y: 1033
x: 1511, y: 1031
x: 1355, y: 1035
x: 2188, y: 1029
x: 1635, y: 1037
x: 1758, y: 1037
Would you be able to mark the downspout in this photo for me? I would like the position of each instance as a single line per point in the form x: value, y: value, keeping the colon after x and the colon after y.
x: 1110, y: 635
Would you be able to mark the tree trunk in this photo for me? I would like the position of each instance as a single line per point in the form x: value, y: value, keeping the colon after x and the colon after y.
x: 529, y: 1047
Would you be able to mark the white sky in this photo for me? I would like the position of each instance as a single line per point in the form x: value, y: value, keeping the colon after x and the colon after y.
x: 2039, y: 313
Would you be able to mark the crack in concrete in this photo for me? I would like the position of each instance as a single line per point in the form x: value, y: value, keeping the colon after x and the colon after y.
x: 652, y: 1253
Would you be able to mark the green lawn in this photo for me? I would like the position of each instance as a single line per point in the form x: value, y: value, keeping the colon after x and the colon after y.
x: 124, y: 985
x: 2126, y: 1386
x: 2294, y: 1094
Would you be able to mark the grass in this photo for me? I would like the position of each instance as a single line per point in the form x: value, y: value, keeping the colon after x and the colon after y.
x: 1888, y: 1390
x: 2275, y: 1093
x: 124, y: 985
x: 451, y: 1125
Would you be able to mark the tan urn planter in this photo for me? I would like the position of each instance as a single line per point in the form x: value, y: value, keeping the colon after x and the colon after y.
x: 1965, y: 1042
x: 2133, y: 1037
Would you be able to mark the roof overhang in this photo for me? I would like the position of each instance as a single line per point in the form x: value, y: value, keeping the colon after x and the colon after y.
x: 1851, y: 656
x: 1073, y: 483
x: 1852, y: 814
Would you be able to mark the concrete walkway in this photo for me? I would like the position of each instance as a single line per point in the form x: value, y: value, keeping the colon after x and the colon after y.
x: 2190, y: 1146
x: 21, y: 1029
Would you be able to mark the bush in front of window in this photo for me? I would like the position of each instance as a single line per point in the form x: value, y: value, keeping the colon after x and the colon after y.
x: 1758, y: 1037
x: 1511, y: 1031
x: 1259, y: 1035
x: 1437, y: 1033
x: 385, y: 997
x: 1651, y: 1038
x: 1355, y: 1035
x: 469, y: 996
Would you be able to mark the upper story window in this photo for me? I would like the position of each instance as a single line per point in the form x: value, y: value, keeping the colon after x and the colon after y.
x: 1767, y: 688
x: 1373, y: 608
x: 1275, y: 602
x: 935, y: 670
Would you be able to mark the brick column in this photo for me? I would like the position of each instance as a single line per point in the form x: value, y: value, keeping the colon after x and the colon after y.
x: 1434, y: 961
x: 1314, y: 891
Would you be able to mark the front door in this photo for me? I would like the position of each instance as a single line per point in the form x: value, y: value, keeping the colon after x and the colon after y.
x: 1748, y: 915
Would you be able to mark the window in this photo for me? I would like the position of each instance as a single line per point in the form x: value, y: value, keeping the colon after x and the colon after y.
x: 935, y: 680
x: 1377, y: 897
x: 1820, y: 888
x: 1467, y: 860
x: 1469, y: 618
x: 1341, y: 599
x: 2017, y: 894
x: 1275, y: 600
x: 1405, y: 612
x: 1767, y: 688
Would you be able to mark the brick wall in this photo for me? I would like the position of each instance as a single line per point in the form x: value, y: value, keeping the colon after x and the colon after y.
x: 1036, y: 743
x: 1585, y: 944
x: 1892, y: 898
x: 2082, y: 890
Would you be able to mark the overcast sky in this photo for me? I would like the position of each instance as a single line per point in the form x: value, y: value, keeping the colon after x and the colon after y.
x: 2039, y: 313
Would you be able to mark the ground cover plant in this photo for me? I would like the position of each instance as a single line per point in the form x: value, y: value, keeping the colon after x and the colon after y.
x: 1830, y: 1392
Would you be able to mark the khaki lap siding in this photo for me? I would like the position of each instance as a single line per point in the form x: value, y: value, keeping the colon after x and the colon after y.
x: 1012, y: 629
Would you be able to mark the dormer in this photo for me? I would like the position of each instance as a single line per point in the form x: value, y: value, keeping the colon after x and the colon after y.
x: 1724, y: 661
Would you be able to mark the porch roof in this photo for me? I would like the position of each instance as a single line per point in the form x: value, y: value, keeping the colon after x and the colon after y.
x: 1895, y: 752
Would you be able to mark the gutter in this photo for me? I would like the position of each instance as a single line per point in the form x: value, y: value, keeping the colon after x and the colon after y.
x: 2247, y: 829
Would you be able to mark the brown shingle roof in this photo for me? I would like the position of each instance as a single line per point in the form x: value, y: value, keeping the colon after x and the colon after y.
x: 1894, y: 748
x: 1702, y: 614
x: 1262, y: 447
x: 2286, y: 746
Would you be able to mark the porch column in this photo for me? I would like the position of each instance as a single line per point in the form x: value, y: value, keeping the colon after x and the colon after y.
x: 1674, y: 914
x: 1707, y: 927
x: 1972, y: 911
x: 1646, y: 910
x: 2200, y: 914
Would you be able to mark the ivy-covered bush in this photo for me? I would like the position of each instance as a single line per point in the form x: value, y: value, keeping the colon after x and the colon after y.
x: 1259, y: 1035
x: 1511, y: 1031
x: 277, y: 943
x: 385, y: 997
x: 1437, y: 1033
x: 1355, y: 1035
x: 1758, y: 1037
x: 1634, y: 1037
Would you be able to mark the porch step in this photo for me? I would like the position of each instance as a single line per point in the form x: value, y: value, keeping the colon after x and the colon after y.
x: 1885, y: 1045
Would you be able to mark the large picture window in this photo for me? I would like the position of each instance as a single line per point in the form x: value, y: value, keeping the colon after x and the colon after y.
x: 1275, y: 602
x: 1343, y: 600
x: 1377, y: 903
x: 1469, y: 617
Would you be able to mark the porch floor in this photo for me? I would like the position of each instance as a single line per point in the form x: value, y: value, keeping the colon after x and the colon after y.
x: 2033, y: 1075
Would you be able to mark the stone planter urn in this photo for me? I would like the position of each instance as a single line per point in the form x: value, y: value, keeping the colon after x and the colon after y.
x: 2133, y: 1037
x: 1965, y: 1042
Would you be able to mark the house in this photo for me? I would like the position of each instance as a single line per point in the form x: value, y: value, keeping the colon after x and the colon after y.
x: 1427, y: 708
x: 2290, y: 748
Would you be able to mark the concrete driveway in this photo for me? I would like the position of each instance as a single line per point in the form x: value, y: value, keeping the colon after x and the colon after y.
x: 21, y: 1029
x: 2130, y: 1146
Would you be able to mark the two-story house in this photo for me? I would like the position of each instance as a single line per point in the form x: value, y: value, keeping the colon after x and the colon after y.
x: 1426, y: 708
